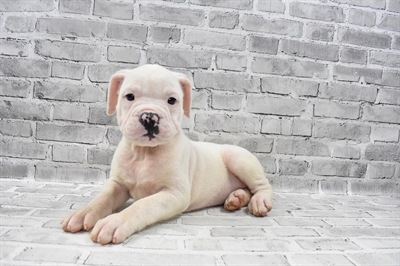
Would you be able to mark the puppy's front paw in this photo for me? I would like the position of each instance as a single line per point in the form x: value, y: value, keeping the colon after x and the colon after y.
x: 260, y: 204
x: 82, y: 219
x: 237, y: 199
x: 114, y: 228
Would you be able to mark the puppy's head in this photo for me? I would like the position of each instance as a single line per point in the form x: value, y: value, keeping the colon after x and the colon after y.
x: 150, y: 102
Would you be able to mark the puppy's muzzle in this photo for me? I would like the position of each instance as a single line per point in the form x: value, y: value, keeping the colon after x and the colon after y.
x: 150, y: 122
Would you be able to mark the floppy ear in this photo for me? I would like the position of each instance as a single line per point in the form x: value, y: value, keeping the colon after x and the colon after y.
x: 113, y: 89
x: 187, y: 93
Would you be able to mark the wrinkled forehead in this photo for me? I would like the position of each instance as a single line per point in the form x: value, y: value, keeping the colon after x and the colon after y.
x: 152, y: 80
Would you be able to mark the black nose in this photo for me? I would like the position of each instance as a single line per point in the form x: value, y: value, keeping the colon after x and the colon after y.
x: 150, y: 122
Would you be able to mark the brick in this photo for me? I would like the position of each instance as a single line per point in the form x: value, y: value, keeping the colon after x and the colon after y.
x: 69, y: 153
x: 386, y: 134
x: 382, y: 113
x: 15, y: 128
x: 337, y: 110
x: 275, y: 26
x: 263, y: 104
x: 99, y: 156
x: 338, y: 168
x: 71, y: 27
x: 31, y: 110
x: 179, y: 58
x: 103, y: 72
x: 67, y: 70
x: 383, y: 152
x: 227, y: 101
x: 127, y: 32
x: 165, y: 34
x: 51, y: 173
x: 335, y: 187
x: 311, y: 50
x: 344, y: 73
x: 320, y: 32
x: 70, y: 133
x: 394, y: 6
x: 390, y: 78
x: 68, y: 51
x: 14, y: 47
x: 375, y: 187
x: 20, y: 23
x: 13, y: 67
x: 17, y: 149
x: 350, y: 55
x: 226, y: 81
x: 390, y: 22
x: 326, y: 244
x: 362, y: 17
x: 124, y: 258
x: 302, y: 147
x: 141, y: 242
x: 364, y: 38
x: 70, y: 112
x: 68, y: 92
x: 263, y: 45
x: 288, y: 86
x: 22, y: 5
x: 342, y: 131
x: 267, y: 162
x: 257, y: 144
x: 380, y: 171
x: 98, y: 115
x: 274, y: 6
x: 223, y: 20
x: 346, y: 152
x: 396, y: 43
x: 15, y: 88
x: 293, y: 167
x: 76, y: 6
x: 227, y: 123
x: 200, y: 99
x: 317, y: 12
x: 302, y: 127
x: 372, y: 258
x: 231, y: 62
x: 348, y: 92
x: 123, y: 54
x: 286, y: 67
x: 385, y: 59
x: 172, y: 15
x: 271, y: 125
x: 13, y: 171
x: 250, y: 259
x: 215, y: 39
x: 373, y: 4
x: 320, y: 259
x: 243, y: 5
x: 294, y: 185
x: 117, y: 10
x: 57, y: 255
x: 114, y: 135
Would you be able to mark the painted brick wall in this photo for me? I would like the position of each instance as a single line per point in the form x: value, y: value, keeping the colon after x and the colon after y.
x: 311, y: 87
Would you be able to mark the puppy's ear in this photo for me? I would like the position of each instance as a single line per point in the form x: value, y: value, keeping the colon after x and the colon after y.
x: 113, y: 89
x: 187, y: 93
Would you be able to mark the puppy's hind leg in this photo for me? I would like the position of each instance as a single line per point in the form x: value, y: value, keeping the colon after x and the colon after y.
x: 237, y: 199
x: 246, y: 167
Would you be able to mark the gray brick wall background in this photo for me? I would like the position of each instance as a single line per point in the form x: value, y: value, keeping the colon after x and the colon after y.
x: 311, y: 87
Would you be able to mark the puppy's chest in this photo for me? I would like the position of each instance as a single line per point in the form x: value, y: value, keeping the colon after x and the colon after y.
x: 143, y: 177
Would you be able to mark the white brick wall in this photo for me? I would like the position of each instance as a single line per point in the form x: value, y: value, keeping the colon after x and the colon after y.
x: 311, y: 87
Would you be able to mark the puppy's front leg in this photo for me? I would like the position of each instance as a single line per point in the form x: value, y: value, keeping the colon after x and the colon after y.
x: 146, y: 211
x: 110, y: 198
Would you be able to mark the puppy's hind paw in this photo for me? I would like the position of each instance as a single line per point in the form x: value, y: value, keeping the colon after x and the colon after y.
x: 237, y: 199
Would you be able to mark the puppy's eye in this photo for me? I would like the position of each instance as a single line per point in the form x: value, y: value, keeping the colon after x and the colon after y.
x: 171, y: 101
x: 130, y: 97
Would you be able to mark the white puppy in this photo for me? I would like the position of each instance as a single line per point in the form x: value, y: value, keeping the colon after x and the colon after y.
x: 158, y: 166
